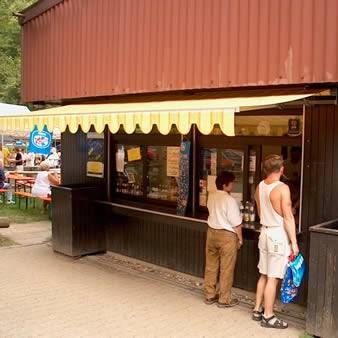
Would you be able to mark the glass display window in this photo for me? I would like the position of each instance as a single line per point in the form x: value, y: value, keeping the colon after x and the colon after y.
x: 162, y: 172
x: 213, y: 162
x: 129, y: 170
x: 148, y: 171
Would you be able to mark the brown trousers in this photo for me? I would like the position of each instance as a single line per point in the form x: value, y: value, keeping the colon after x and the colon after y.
x: 221, y: 254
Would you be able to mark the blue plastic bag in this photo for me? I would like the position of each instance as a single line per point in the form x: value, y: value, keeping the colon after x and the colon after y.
x: 292, y: 279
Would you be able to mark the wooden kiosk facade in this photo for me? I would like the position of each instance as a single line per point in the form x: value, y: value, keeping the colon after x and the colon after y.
x: 73, y: 53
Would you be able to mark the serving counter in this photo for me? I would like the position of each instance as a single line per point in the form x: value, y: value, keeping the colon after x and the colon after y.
x: 172, y: 241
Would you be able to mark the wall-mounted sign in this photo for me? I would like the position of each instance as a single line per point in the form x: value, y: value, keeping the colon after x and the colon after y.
x: 95, y: 155
x: 119, y: 159
x: 173, y: 161
x: 40, y: 142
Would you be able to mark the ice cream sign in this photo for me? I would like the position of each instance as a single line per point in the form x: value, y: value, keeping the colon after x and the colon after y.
x: 40, y: 141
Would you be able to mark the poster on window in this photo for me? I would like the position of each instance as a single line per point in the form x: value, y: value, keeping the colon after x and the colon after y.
x: 183, y: 180
x: 173, y: 161
x: 134, y: 154
x: 95, y: 155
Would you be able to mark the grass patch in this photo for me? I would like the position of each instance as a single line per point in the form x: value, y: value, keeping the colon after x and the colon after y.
x: 5, y: 241
x: 23, y: 215
x: 305, y: 335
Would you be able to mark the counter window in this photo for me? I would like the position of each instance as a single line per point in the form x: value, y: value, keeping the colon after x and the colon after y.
x: 214, y: 161
x: 265, y: 125
x: 268, y: 125
x: 292, y: 156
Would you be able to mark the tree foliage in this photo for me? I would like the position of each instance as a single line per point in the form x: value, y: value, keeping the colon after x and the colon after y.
x: 10, y: 51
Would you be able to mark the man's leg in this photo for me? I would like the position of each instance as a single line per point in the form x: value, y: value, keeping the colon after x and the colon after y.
x: 260, y: 292
x: 270, y: 296
x: 211, y: 266
x: 228, y: 263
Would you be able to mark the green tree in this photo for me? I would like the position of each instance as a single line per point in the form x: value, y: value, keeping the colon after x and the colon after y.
x: 10, y: 51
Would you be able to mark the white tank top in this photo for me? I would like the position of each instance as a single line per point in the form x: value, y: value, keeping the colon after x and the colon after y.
x: 269, y: 217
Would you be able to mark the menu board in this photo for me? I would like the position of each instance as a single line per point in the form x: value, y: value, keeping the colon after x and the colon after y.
x: 173, y: 161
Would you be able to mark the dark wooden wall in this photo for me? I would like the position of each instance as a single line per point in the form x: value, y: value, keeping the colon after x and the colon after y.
x: 174, y: 243
x: 320, y: 177
x: 322, y: 311
x: 74, y: 160
x: 320, y: 193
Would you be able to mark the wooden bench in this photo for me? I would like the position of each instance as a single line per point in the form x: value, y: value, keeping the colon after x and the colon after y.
x: 28, y: 195
x: 24, y: 195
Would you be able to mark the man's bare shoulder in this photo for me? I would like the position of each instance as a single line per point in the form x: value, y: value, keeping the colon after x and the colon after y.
x: 283, y: 189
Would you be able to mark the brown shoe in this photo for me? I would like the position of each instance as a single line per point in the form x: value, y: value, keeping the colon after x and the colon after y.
x: 210, y: 301
x: 232, y: 303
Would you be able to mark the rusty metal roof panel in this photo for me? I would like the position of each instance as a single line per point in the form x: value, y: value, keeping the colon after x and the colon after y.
x: 86, y: 48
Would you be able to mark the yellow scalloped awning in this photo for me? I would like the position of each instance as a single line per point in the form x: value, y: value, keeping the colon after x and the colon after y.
x: 204, y: 113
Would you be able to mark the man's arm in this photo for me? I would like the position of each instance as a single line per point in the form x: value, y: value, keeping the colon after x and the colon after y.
x: 238, y: 231
x: 53, y: 179
x: 289, y: 220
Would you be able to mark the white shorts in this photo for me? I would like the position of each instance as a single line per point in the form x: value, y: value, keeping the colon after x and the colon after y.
x: 274, y: 251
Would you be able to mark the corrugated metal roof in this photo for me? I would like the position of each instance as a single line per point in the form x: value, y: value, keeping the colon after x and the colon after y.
x: 85, y: 48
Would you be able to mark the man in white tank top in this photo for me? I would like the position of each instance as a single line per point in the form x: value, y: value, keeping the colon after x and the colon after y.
x: 277, y: 240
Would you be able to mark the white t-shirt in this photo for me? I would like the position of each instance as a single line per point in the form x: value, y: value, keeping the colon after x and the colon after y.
x: 53, y: 160
x: 224, y: 211
x: 30, y: 158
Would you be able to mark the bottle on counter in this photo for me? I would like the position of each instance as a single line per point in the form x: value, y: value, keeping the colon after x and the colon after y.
x: 246, y: 215
x: 241, y: 209
x: 252, y: 214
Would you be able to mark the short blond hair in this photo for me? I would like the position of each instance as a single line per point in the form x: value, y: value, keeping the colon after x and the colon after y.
x: 44, y: 166
x: 272, y: 164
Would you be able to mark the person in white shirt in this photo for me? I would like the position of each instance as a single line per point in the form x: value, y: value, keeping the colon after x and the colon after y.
x: 53, y: 158
x: 277, y: 233
x: 30, y: 159
x: 224, y: 238
x: 44, y: 180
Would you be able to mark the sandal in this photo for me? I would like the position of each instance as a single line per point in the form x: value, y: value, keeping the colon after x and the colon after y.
x: 257, y: 315
x: 233, y: 302
x: 273, y: 323
x: 210, y: 301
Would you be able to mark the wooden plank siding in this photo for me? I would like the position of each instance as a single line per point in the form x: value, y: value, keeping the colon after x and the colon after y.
x: 322, y: 312
x: 74, y: 160
x: 173, y: 243
x: 320, y: 191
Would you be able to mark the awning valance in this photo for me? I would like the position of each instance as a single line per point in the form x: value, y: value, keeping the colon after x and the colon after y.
x: 204, y: 113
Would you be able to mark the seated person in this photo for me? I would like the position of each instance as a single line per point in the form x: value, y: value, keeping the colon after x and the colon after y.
x: 4, y: 185
x: 44, y: 180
